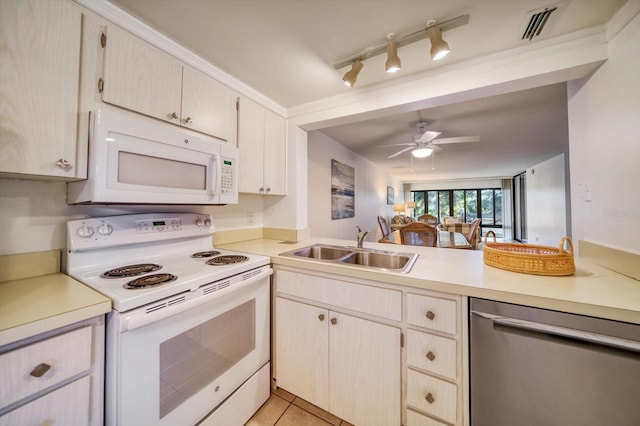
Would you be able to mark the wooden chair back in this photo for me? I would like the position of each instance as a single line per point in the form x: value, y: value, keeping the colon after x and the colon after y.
x: 419, y: 234
x: 384, y: 226
x: 429, y: 219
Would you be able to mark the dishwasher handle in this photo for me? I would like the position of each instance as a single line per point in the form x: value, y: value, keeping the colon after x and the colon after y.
x: 586, y: 336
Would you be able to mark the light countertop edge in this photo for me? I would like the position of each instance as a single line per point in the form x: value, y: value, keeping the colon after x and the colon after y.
x: 35, y: 305
x: 593, y: 290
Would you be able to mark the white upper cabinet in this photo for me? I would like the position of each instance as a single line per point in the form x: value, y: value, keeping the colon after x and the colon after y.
x: 39, y: 75
x: 142, y: 78
x: 262, y: 143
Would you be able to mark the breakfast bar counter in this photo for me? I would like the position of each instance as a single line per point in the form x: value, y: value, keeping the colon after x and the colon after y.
x: 593, y: 290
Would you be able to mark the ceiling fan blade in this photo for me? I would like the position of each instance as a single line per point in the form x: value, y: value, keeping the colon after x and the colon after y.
x: 397, y: 144
x: 401, y: 151
x: 428, y: 136
x: 456, y: 139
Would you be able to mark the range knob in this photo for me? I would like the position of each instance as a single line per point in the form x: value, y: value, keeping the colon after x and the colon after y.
x: 207, y: 222
x: 200, y: 222
x: 85, y: 231
x: 105, y: 229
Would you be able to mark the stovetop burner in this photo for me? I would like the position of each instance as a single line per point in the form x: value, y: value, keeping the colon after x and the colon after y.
x: 203, y: 254
x: 227, y: 260
x: 131, y: 270
x: 150, y: 281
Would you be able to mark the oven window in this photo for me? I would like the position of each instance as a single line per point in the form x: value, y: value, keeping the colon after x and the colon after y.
x: 194, y: 359
x: 137, y: 169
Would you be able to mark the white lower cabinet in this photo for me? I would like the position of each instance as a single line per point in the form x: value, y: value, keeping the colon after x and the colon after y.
x: 55, y: 378
x: 68, y: 405
x: 344, y: 364
x: 338, y: 343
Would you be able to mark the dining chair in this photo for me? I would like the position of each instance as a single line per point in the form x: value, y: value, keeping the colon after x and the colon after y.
x: 428, y: 218
x: 473, y: 235
x: 419, y: 234
x: 384, y: 229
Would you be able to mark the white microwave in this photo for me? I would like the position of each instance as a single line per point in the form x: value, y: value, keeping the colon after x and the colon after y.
x: 135, y: 160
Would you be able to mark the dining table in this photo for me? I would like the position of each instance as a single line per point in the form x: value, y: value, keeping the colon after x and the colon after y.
x: 446, y: 239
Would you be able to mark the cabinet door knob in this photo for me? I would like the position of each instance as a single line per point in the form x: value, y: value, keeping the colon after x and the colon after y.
x: 261, y: 189
x: 188, y: 120
x: 321, y: 317
x: 63, y: 164
x: 430, y: 399
x: 40, y: 369
x: 431, y: 356
x: 334, y: 321
x: 174, y: 115
x: 268, y: 189
x: 431, y: 315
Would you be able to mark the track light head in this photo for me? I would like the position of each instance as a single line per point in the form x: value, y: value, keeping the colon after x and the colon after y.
x: 351, y: 76
x: 439, y: 47
x: 393, y: 61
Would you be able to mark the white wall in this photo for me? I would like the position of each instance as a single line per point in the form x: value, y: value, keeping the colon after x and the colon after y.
x: 604, y: 147
x: 370, y: 191
x: 546, y: 207
x: 33, y: 214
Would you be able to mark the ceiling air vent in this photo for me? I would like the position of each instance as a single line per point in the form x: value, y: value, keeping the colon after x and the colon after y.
x: 536, y: 21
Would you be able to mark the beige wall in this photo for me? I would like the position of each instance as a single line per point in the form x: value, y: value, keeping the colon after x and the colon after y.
x: 604, y: 147
x: 370, y: 191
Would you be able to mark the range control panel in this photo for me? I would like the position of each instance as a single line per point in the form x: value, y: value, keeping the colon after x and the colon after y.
x: 86, y: 234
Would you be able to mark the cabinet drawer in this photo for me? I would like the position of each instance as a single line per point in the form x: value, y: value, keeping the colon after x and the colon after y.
x: 432, y: 312
x: 68, y: 405
x: 416, y: 419
x: 65, y: 355
x: 431, y: 395
x: 432, y: 353
x: 358, y: 297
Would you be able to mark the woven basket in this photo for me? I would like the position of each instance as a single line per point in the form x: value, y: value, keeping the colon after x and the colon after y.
x: 529, y: 259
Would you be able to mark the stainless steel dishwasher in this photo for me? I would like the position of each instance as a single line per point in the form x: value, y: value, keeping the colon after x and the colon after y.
x: 536, y: 367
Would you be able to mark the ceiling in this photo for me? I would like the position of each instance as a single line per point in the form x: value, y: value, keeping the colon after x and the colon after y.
x: 285, y: 49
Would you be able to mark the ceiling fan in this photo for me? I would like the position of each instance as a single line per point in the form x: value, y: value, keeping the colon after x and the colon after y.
x: 425, y: 142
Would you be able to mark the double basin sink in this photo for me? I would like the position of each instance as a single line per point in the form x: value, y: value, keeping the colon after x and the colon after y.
x: 352, y: 256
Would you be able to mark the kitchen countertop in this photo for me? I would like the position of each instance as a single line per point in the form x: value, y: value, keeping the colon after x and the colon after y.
x: 37, y: 304
x: 593, y: 290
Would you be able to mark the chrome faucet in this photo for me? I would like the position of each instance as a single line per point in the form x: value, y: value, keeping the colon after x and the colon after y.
x: 360, y: 238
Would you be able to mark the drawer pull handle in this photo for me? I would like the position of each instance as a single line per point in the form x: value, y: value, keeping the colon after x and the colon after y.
x: 430, y: 399
x: 321, y: 317
x: 40, y: 370
x: 334, y: 321
x: 431, y: 315
x: 431, y: 356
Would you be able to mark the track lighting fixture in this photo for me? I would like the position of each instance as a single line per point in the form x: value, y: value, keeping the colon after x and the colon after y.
x: 433, y: 30
x: 351, y: 76
x: 393, y: 61
x: 439, y: 47
x: 422, y: 152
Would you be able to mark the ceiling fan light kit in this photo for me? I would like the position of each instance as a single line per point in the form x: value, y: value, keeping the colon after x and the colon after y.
x: 422, y: 152
x: 433, y: 30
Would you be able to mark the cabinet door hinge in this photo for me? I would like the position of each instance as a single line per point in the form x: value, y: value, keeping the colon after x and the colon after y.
x: 100, y: 85
x: 237, y: 104
x: 103, y: 40
x: 402, y: 340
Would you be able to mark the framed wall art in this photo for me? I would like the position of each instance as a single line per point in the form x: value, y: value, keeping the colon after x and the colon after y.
x: 342, y: 191
x: 389, y: 195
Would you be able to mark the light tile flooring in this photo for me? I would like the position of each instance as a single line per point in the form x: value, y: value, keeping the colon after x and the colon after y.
x: 286, y: 409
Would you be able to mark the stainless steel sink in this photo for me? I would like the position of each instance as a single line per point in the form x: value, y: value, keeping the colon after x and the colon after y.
x: 322, y: 252
x: 357, y: 257
x: 377, y: 260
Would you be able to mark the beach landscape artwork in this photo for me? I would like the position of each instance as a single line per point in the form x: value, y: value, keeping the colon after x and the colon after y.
x: 342, y: 191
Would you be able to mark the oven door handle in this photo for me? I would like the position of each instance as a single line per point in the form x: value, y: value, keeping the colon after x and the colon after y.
x: 596, y: 338
x: 140, y: 319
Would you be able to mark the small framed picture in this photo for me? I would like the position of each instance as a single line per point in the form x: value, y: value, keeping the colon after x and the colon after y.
x: 389, y: 195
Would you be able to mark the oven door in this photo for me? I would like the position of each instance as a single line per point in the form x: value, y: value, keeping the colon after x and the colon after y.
x: 175, y: 370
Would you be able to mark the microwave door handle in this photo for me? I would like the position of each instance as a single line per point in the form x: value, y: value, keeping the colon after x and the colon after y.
x: 216, y: 180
